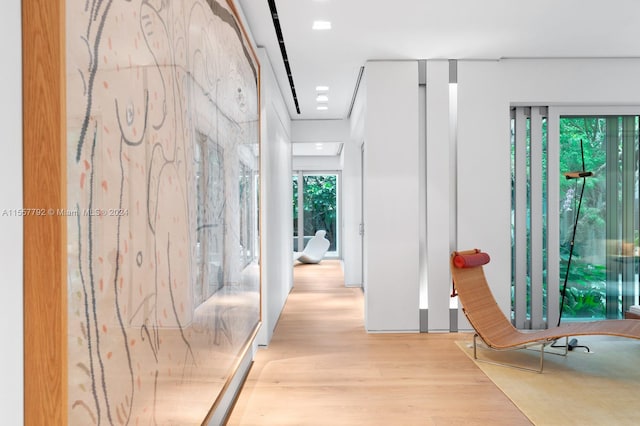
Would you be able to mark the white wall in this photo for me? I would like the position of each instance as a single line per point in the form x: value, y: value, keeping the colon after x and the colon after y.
x: 326, y: 163
x: 277, y: 215
x: 485, y: 91
x: 391, y: 209
x: 352, y: 253
x: 309, y: 131
x: 11, y: 356
x: 480, y: 195
x: 314, y: 131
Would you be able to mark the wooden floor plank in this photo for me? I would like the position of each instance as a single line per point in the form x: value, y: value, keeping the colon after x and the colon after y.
x: 321, y: 368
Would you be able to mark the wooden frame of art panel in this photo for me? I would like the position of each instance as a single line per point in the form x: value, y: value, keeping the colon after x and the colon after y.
x: 44, y: 169
x: 114, y: 331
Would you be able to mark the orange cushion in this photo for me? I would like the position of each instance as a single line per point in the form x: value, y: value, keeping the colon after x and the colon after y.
x: 471, y: 260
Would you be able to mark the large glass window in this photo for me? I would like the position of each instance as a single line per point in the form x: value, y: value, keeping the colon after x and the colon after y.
x: 581, y: 230
x: 295, y: 213
x: 315, y: 207
x: 602, y: 281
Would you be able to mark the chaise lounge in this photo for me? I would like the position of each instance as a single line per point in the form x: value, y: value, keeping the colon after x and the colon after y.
x: 315, y: 250
x: 497, y: 332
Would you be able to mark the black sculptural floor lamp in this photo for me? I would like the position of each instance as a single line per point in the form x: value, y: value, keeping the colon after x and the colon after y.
x: 574, y: 175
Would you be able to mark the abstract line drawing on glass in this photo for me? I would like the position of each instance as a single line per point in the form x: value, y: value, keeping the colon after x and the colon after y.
x: 163, y: 122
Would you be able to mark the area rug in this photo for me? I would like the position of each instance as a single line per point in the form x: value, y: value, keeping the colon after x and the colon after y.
x: 597, y: 388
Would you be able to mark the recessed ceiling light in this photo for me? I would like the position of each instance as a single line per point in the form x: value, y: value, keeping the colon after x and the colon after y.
x: 322, y: 107
x: 319, y: 146
x: 322, y: 98
x: 321, y: 25
x: 322, y: 88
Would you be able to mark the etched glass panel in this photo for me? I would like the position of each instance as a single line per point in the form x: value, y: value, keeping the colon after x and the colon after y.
x: 163, y: 281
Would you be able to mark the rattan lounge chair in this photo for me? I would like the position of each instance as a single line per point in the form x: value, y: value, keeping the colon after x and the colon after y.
x: 497, y: 332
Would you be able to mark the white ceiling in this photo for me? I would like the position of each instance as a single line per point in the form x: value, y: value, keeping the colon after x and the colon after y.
x: 430, y: 29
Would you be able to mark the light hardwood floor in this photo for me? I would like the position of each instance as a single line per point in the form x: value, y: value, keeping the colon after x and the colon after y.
x: 323, y: 368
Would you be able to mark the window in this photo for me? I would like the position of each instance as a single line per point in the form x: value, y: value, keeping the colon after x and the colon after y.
x: 602, y: 280
x: 529, y: 212
x: 315, y: 207
x: 210, y: 211
x: 246, y: 180
x: 591, y: 244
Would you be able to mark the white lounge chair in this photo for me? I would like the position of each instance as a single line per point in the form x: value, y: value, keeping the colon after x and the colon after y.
x: 315, y: 250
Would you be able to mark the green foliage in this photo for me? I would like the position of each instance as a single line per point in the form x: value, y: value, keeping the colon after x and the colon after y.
x: 585, y: 295
x: 319, y: 200
x: 584, y: 303
x: 592, y: 132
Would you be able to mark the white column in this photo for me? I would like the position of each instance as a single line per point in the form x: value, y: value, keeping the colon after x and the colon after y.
x: 439, y: 216
x: 520, y: 219
x: 484, y: 171
x: 553, y: 220
x: 391, y: 197
x: 536, y: 219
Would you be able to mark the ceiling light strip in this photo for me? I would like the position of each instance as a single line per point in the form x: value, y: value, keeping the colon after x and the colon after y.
x: 283, y: 50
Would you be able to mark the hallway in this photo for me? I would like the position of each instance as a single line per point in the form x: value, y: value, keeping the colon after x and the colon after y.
x: 322, y: 368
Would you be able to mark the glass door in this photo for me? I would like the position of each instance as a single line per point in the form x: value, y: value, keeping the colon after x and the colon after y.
x: 315, y: 208
x: 602, y: 281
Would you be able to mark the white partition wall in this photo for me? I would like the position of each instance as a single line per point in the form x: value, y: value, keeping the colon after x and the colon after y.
x: 352, y: 184
x: 277, y: 272
x: 352, y: 209
x: 391, y: 207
